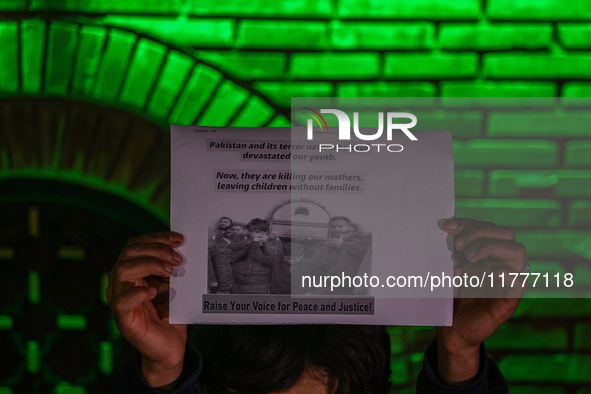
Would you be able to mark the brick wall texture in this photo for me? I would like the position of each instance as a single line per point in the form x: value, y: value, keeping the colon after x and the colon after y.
x: 187, y: 61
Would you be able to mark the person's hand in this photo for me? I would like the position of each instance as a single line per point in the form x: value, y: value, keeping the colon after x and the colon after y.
x: 260, y: 237
x: 138, y: 294
x: 479, y: 248
x: 334, y: 242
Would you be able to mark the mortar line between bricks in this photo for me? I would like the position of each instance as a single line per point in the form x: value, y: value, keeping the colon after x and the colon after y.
x: 127, y: 68
x: 70, y: 85
x: 237, y: 24
x: 157, y: 79
x: 335, y: 10
x: 565, y: 212
x: 44, y: 55
x: 180, y: 91
x: 101, y: 57
x: 437, y: 92
x: 436, y: 34
x: 381, y: 77
x: 483, y: 15
x: 240, y: 108
x: 539, y: 20
x: 330, y: 24
x: 303, y: 18
x: 184, y: 9
x: 555, y: 38
x: 479, y: 67
x: 287, y: 67
x: 214, y: 93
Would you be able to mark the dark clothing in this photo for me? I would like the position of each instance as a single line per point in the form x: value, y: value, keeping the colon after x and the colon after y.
x: 346, y: 258
x: 488, y: 380
x: 280, y: 276
x: 253, y: 274
x: 335, y: 260
x: 223, y: 253
x: 133, y: 381
x: 220, y: 260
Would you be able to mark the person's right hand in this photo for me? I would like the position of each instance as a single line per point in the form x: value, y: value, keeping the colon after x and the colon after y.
x: 138, y: 294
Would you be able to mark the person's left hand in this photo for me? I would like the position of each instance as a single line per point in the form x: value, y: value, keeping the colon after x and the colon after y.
x: 334, y: 242
x: 261, y: 239
x: 138, y: 293
x: 479, y: 248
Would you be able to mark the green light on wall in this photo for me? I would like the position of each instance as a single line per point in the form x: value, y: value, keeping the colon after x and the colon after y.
x: 143, y: 70
x: 106, y: 358
x: 33, y: 356
x: 9, y: 56
x: 115, y: 334
x: 32, y: 52
x: 34, y: 287
x: 5, y: 324
x: 416, y: 357
x: 71, y: 253
x: 65, y: 388
x: 103, y: 288
x: 536, y: 181
x: 5, y: 390
x: 71, y: 322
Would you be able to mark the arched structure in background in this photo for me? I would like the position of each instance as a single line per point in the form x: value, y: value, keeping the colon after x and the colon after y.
x: 99, y: 102
x: 84, y: 164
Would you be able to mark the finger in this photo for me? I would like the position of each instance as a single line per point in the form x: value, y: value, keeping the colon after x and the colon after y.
x: 159, y: 250
x: 140, y: 268
x: 467, y: 237
x: 126, y: 303
x: 511, y: 253
x: 170, y: 238
x: 159, y: 283
x: 456, y: 225
x: 161, y: 305
x: 160, y: 301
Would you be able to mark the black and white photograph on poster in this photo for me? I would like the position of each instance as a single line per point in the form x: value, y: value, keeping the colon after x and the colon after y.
x: 245, y: 258
x: 265, y: 256
x: 276, y: 233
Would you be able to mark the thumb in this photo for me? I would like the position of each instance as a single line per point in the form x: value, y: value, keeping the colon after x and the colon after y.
x: 127, y: 302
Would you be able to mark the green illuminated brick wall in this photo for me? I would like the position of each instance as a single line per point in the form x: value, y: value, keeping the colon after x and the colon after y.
x: 239, y: 62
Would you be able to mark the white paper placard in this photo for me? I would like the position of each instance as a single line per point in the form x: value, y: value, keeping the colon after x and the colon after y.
x: 393, y: 201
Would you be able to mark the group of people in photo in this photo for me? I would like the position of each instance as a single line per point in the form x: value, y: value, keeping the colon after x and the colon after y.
x: 245, y: 259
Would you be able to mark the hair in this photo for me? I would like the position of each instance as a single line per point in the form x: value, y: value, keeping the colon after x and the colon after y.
x: 343, y: 218
x: 265, y: 359
x: 239, y: 224
x: 257, y: 225
x: 225, y: 217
